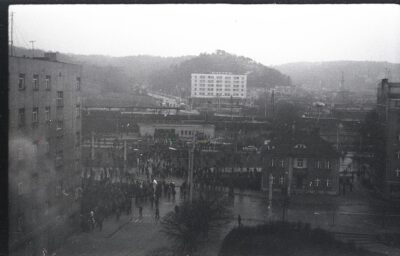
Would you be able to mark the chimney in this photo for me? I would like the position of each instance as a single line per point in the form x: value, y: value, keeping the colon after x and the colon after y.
x: 50, y: 56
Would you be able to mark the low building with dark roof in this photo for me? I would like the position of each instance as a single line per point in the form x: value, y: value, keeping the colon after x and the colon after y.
x: 300, y: 162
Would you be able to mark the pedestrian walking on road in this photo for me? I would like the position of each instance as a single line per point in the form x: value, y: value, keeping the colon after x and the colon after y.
x: 157, y: 215
x: 140, y: 212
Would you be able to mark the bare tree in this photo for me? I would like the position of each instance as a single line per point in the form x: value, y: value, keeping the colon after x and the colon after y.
x: 191, y: 224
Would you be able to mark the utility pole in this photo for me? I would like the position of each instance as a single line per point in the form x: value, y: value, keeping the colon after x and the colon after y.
x: 125, y: 156
x: 33, y: 48
x: 270, y: 181
x: 265, y: 105
x: 231, y: 108
x: 273, y: 102
x: 92, y: 147
x: 290, y: 174
x: 191, y: 163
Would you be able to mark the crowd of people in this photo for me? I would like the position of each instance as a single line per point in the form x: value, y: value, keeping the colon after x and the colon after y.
x: 106, y: 199
x: 112, y: 191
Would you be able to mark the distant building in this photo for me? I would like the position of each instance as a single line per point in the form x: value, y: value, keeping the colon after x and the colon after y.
x: 218, y: 85
x: 44, y: 151
x: 302, y: 163
x: 284, y: 90
x: 183, y: 131
x: 219, y: 92
x: 388, y: 106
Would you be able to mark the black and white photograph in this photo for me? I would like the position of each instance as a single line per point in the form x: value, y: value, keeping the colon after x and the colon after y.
x: 203, y: 129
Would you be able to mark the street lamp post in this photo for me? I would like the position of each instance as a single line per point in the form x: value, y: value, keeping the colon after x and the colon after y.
x: 191, y: 163
x: 270, y: 181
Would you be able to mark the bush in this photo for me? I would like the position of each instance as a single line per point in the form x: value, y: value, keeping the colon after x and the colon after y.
x: 192, y: 222
x: 284, y: 238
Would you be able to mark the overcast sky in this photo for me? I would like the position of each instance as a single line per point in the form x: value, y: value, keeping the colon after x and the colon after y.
x: 270, y: 34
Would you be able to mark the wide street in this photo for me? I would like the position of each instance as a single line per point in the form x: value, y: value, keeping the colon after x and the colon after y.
x: 356, y: 217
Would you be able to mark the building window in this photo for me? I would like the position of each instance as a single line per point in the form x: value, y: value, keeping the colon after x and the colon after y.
x: 78, y: 139
x: 21, y: 82
x: 397, y: 171
x: 35, y: 82
x: 398, y: 154
x: 60, y: 125
x: 47, y: 113
x: 21, y: 117
x: 78, y: 83
x: 299, y: 163
x: 78, y: 111
x: 47, y: 146
x: 47, y: 83
x: 59, y: 158
x: 35, y: 114
x: 317, y: 182
x: 328, y: 164
x: 281, y: 180
x: 60, y: 99
x: 328, y: 183
x: 282, y: 163
x: 318, y: 164
x: 272, y: 162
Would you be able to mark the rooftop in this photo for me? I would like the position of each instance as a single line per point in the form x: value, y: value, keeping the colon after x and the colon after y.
x: 301, y: 143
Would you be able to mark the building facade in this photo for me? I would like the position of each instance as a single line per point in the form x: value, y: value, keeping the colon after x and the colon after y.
x: 300, y: 163
x: 183, y: 131
x: 218, y: 85
x: 388, y: 106
x: 44, y: 151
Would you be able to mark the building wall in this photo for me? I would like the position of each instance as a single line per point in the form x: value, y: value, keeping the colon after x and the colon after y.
x: 44, y: 148
x: 389, y: 111
x: 218, y: 85
x: 180, y: 130
x: 315, y: 175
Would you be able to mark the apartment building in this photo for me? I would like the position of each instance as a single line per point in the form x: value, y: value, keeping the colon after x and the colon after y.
x: 44, y: 151
x: 218, y: 85
x: 388, y: 106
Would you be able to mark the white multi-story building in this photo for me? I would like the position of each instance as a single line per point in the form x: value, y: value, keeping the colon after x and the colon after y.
x: 218, y: 85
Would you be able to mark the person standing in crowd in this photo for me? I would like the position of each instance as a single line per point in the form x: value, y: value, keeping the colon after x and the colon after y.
x: 173, y: 191
x: 157, y: 215
x: 92, y: 221
x: 140, y: 212
x: 239, y: 220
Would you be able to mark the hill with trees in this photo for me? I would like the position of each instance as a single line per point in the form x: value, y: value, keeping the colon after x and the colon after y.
x: 105, y: 74
x: 176, y: 78
x: 358, y: 75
